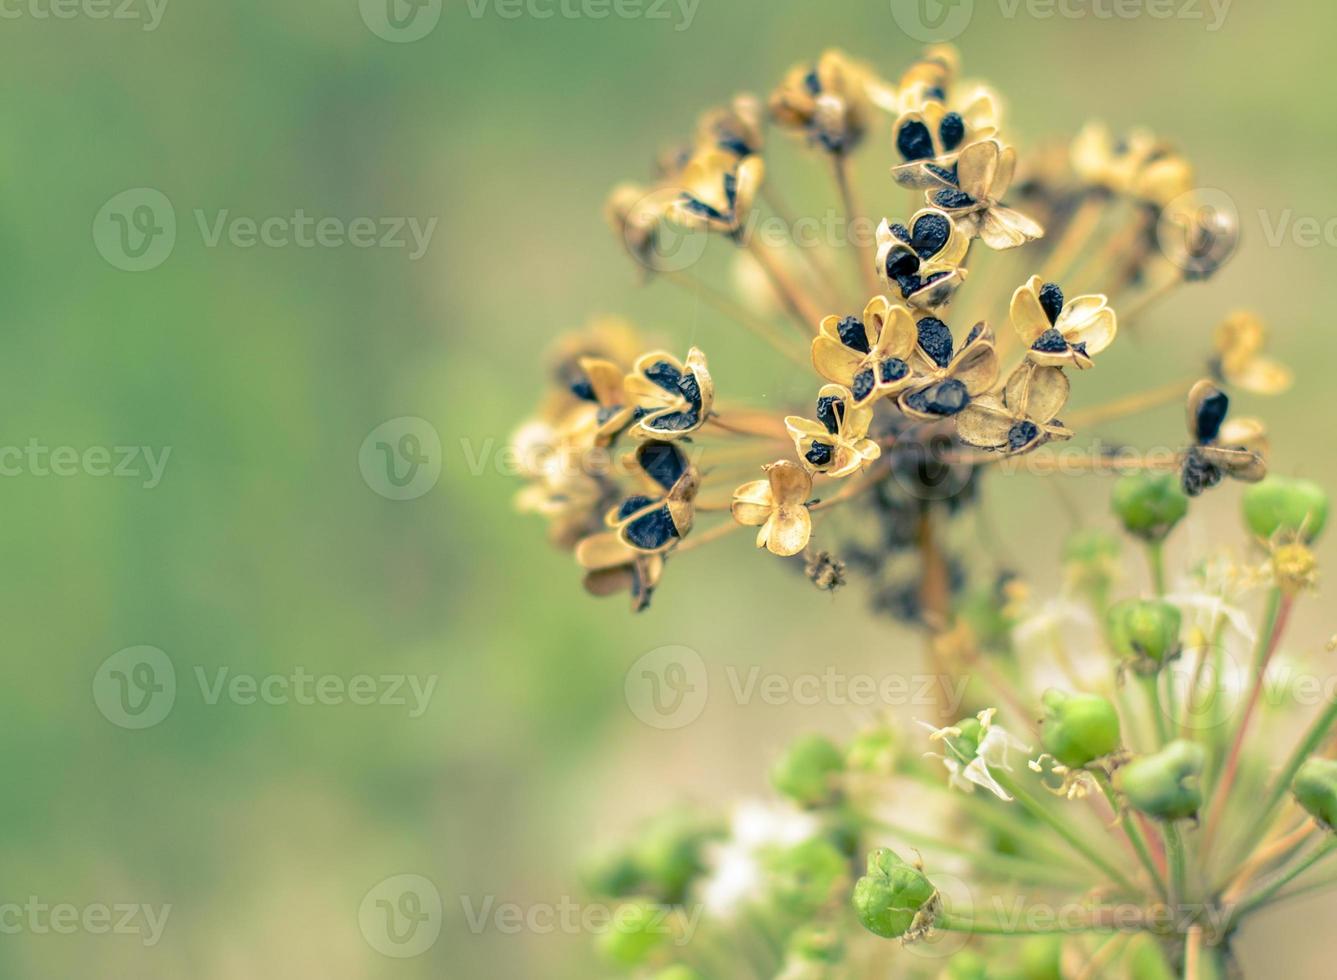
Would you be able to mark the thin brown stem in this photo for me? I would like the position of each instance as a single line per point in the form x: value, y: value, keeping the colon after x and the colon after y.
x: 862, y: 256
x: 728, y: 308
x: 800, y: 306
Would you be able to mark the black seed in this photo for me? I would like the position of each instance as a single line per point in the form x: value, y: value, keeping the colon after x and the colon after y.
x: 690, y: 389
x: 908, y: 284
x: 631, y: 505
x: 863, y: 384
x: 1022, y: 435
x: 853, y: 335
x: 950, y: 197
x: 652, y: 531
x: 731, y: 188
x: 734, y: 145
x: 665, y: 375
x: 937, y: 93
x: 1199, y: 474
x: 663, y: 462
x: 812, y: 83
x: 893, y: 369
x: 952, y: 130
x: 1050, y: 342
x: 931, y: 234
x: 915, y: 142
x: 607, y: 412
x: 820, y: 454
x: 1211, y: 413
x: 944, y: 398
x: 901, y: 263
x: 701, y: 207
x: 831, y: 412
x: 901, y: 232
x: 946, y: 173
x: 675, y: 421
x: 583, y: 390
x: 975, y: 331
x: 1051, y: 300
x: 935, y: 339
x: 1081, y: 348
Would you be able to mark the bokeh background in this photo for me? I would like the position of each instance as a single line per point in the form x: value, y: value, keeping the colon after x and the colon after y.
x: 263, y: 549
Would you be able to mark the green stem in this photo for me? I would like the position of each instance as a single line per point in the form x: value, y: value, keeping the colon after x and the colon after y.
x: 1174, y: 848
x: 1134, y: 833
x: 1060, y: 827
x: 1151, y: 684
x: 1281, y: 881
x: 1317, y: 733
x: 1006, y: 866
x: 952, y: 923
x: 1278, y: 611
x: 1156, y: 556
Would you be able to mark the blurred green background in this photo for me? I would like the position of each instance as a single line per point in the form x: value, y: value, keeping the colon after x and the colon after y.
x: 264, y: 550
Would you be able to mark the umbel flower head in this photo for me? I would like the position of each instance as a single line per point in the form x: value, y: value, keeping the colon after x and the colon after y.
x: 910, y: 412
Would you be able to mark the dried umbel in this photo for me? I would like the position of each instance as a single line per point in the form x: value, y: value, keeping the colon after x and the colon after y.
x: 916, y: 393
x: 939, y: 348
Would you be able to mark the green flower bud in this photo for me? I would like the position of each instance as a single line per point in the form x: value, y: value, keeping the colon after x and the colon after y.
x: 638, y: 928
x: 806, y: 877
x: 1165, y: 785
x: 967, y: 965
x: 669, y: 854
x: 1291, y: 507
x: 1145, y: 632
x: 1078, y: 728
x: 872, y: 751
x: 1091, y: 560
x: 1042, y: 958
x: 612, y: 874
x: 1149, y: 504
x: 678, y: 972
x: 807, y: 772
x: 894, y: 898
x: 817, y: 944
x: 1315, y: 789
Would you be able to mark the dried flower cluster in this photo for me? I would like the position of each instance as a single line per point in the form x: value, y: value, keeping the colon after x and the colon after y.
x: 915, y: 399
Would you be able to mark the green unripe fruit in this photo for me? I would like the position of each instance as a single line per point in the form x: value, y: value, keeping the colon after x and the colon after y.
x: 1079, y: 728
x: 806, y: 877
x: 893, y: 895
x: 670, y: 854
x: 1290, y: 507
x: 1149, y: 504
x: 1315, y: 789
x: 1145, y: 632
x: 817, y: 944
x: 807, y: 772
x: 639, y: 926
x: 967, y: 744
x: 1165, y: 785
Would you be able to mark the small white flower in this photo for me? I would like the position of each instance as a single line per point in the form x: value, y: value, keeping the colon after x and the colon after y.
x: 736, y: 872
x: 994, y: 745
